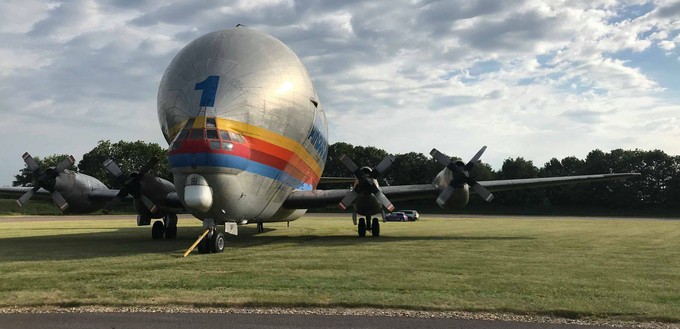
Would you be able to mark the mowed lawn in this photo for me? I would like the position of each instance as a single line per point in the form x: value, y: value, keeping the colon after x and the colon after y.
x: 623, y: 269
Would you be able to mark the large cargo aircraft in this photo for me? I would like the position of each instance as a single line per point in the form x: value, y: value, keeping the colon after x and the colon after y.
x: 248, y: 142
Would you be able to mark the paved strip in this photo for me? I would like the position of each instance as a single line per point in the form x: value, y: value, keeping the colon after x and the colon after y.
x: 254, y: 321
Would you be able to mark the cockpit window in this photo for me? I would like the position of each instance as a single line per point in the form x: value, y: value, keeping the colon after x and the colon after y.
x: 210, y: 123
x: 236, y: 137
x: 215, y: 145
x: 224, y: 135
x: 211, y: 134
x: 196, y: 134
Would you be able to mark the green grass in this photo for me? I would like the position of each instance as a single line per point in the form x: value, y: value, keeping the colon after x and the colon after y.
x: 36, y: 207
x: 613, y: 269
x: 43, y: 205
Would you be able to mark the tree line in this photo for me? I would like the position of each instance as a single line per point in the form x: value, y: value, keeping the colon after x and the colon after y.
x: 658, y: 187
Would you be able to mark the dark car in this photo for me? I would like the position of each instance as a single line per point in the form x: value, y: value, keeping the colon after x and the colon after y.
x: 411, y: 214
x: 396, y: 217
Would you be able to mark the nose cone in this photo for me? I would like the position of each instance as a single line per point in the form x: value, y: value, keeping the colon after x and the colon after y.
x: 198, y: 194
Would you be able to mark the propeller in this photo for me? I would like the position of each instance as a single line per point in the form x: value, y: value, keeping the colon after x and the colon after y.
x: 46, y: 179
x: 130, y: 185
x: 461, y: 175
x: 366, y: 181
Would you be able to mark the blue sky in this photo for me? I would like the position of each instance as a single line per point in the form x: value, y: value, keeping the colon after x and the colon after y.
x: 527, y: 78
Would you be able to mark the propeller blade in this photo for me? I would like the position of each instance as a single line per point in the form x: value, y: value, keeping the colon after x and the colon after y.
x: 445, y: 195
x: 384, y: 164
x: 70, y: 160
x: 148, y: 203
x: 475, y: 158
x: 30, y: 162
x: 111, y: 204
x: 385, y: 201
x: 113, y: 168
x: 348, y: 163
x: 348, y: 200
x: 442, y: 158
x: 149, y: 164
x: 59, y: 201
x: 27, y: 196
x: 482, y: 191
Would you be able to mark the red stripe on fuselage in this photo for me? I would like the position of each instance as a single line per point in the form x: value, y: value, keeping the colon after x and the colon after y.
x: 259, y: 151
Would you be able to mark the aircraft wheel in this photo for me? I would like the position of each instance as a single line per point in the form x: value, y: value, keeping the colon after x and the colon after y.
x: 362, y: 227
x: 171, y: 232
x: 170, y: 222
x: 157, y: 230
x: 217, y: 242
x: 204, y: 246
x: 375, y: 227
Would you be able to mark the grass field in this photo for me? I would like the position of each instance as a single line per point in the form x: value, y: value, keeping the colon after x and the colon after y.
x: 612, y: 269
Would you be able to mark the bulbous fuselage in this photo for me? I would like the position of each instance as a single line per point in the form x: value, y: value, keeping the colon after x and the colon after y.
x: 244, y: 125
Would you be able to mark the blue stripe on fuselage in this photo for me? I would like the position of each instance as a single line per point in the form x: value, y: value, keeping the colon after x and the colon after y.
x: 235, y: 162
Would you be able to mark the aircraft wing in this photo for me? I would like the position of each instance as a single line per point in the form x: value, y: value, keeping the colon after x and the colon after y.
x: 98, y: 195
x: 330, y: 198
x: 101, y: 196
x: 169, y: 201
x: 513, y: 184
x: 333, y: 180
x: 15, y: 192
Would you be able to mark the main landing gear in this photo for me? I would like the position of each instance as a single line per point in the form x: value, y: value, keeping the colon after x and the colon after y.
x: 167, y: 227
x: 368, y: 225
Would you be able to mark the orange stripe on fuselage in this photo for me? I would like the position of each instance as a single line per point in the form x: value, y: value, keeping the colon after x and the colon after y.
x: 289, y: 161
x: 302, y: 161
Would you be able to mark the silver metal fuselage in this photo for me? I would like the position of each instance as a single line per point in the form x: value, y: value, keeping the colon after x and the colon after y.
x: 244, y: 125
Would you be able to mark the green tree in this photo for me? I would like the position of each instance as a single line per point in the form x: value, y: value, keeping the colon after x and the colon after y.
x: 362, y: 156
x: 130, y: 157
x: 412, y: 168
x: 25, y: 177
x: 564, y: 194
x: 516, y: 169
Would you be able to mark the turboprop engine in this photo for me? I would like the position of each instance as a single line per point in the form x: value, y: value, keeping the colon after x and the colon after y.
x: 459, y: 196
x: 455, y: 181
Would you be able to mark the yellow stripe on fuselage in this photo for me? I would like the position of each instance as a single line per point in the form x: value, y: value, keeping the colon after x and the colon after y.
x: 259, y: 133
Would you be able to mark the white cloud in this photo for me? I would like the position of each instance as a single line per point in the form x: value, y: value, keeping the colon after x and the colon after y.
x: 527, y: 78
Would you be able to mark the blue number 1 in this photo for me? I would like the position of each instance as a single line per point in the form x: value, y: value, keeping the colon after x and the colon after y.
x: 209, y: 87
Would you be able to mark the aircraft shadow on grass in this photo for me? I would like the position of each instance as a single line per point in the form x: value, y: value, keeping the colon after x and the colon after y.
x: 135, y: 241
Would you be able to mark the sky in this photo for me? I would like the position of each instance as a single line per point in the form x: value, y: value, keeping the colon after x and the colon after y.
x: 531, y: 79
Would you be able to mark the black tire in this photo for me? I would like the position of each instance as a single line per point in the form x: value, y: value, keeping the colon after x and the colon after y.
x: 361, y: 228
x: 375, y: 227
x: 217, y: 242
x: 157, y: 230
x: 204, y: 246
x: 170, y: 222
x: 171, y: 232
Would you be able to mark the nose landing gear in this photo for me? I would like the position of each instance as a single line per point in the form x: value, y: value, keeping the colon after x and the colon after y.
x: 212, y: 240
x: 212, y: 243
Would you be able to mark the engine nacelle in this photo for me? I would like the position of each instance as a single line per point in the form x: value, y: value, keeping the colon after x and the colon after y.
x: 460, y: 196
